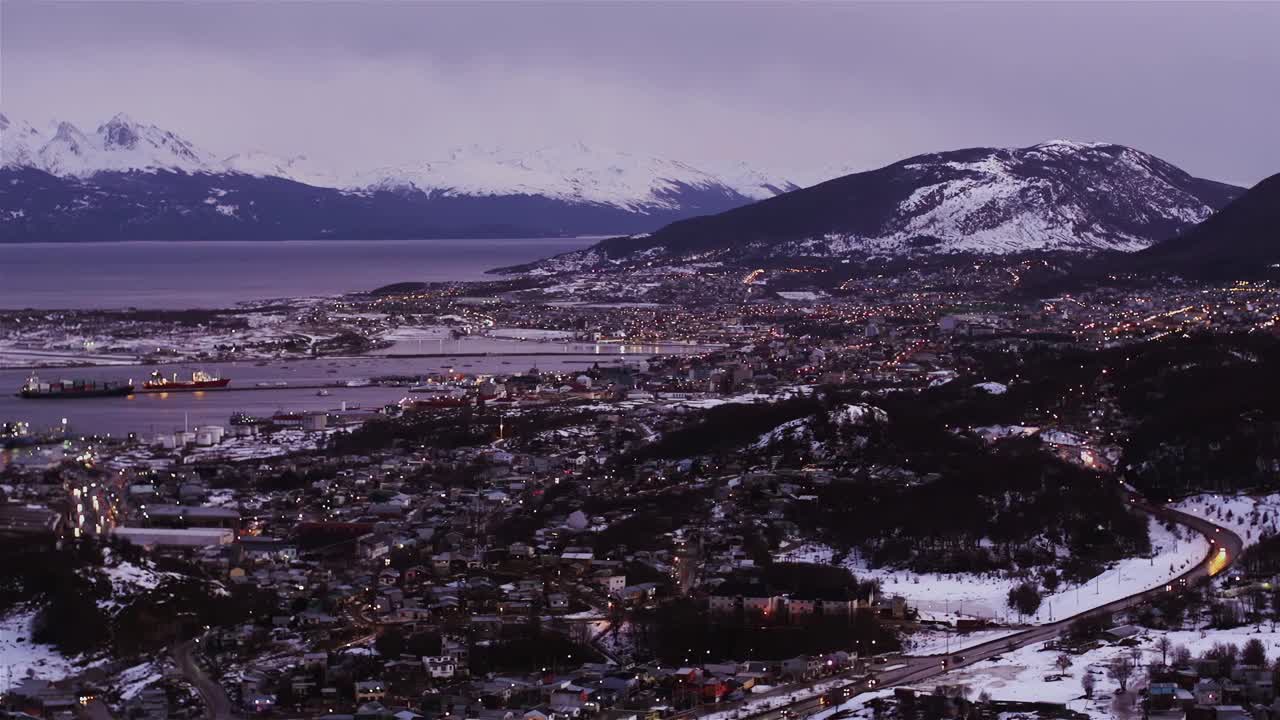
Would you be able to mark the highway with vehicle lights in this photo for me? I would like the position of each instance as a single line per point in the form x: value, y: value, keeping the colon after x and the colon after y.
x: 1225, y: 547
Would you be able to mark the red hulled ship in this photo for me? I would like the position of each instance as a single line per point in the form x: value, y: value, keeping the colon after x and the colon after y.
x: 200, y: 380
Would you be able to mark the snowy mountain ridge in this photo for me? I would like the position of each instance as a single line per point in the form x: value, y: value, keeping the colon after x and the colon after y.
x: 576, y: 173
x: 1055, y: 196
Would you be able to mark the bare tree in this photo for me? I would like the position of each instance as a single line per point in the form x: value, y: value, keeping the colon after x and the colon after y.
x: 1120, y: 669
x: 1087, y: 682
x: 1063, y: 662
x: 1181, y: 656
x: 1135, y: 656
x: 1164, y: 645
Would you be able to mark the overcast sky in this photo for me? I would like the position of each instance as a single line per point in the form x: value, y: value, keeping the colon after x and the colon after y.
x: 795, y: 85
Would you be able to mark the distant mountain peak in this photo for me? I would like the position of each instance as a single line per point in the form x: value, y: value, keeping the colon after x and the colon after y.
x: 68, y: 132
x: 119, y: 131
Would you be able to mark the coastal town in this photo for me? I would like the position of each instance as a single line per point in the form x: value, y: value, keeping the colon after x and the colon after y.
x: 565, y: 360
x: 716, y: 523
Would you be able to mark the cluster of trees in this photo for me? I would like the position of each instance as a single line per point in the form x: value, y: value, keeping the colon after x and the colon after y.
x: 650, y: 516
x: 1203, y: 411
x: 725, y: 428
x: 1208, y: 411
x: 453, y: 429
x: 977, y: 509
x: 64, y: 588
x: 809, y: 580
x: 394, y: 642
x: 530, y: 645
x: 70, y: 593
x: 1025, y: 598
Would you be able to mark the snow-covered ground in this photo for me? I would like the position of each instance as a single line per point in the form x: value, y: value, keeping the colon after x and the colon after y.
x: 129, y: 579
x: 134, y: 680
x: 936, y: 642
x: 1027, y: 674
x: 800, y: 295
x: 747, y: 398
x: 231, y: 449
x: 1252, y: 518
x: 20, y: 656
x: 986, y: 595
x: 1031, y: 673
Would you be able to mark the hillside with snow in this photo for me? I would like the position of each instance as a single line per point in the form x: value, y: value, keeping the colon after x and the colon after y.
x: 1055, y: 196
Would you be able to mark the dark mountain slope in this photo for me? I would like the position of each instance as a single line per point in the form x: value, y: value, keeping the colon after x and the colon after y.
x: 1241, y: 241
x: 36, y: 206
x: 1053, y: 196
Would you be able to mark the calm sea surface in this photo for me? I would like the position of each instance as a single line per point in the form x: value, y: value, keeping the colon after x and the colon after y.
x: 209, y: 274
x: 183, y: 275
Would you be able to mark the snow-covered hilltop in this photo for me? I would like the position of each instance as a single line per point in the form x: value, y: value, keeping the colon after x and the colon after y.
x: 1055, y: 196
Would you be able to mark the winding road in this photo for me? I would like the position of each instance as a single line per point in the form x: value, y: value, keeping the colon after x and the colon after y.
x: 1225, y: 546
x: 217, y: 705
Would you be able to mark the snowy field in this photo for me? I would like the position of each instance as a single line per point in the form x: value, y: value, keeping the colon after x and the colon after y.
x: 938, y: 642
x: 785, y: 393
x: 21, y: 657
x: 985, y: 595
x: 1027, y: 674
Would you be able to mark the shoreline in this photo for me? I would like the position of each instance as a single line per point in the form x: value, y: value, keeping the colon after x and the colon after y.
x: 127, y: 362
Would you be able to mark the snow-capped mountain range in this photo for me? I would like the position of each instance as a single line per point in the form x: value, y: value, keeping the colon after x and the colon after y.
x: 575, y: 173
x: 132, y: 180
x: 1055, y: 196
x: 118, y: 145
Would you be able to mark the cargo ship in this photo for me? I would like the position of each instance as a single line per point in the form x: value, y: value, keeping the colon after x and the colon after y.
x: 200, y: 380
x: 73, y: 389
